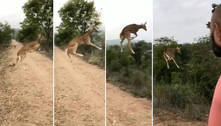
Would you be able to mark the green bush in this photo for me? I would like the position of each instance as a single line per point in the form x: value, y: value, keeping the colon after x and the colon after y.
x: 130, y: 72
x: 5, y: 34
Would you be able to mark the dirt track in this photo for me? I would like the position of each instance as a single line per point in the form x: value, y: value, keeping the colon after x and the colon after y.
x: 79, y: 89
x: 79, y: 92
x: 26, y: 92
x: 125, y: 110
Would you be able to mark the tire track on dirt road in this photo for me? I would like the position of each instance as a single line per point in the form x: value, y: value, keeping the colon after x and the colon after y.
x: 26, y: 93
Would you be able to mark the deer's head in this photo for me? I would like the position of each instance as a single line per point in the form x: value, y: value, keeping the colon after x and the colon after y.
x: 143, y: 26
x: 215, y: 29
x: 92, y: 30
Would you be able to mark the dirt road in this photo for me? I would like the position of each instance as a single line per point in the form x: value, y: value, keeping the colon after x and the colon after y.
x: 26, y: 91
x: 79, y: 94
x: 125, y: 110
x: 26, y: 94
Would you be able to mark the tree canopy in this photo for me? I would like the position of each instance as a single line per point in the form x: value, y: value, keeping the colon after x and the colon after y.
x: 39, y: 20
x: 5, y: 33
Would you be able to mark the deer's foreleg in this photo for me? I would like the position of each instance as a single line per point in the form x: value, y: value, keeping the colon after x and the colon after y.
x: 134, y: 36
x: 91, y: 44
x: 175, y: 63
x: 22, y: 57
x: 17, y: 60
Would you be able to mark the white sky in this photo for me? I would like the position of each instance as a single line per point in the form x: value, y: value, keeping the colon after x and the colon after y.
x: 119, y: 13
x: 58, y: 4
x: 185, y: 20
x: 11, y: 11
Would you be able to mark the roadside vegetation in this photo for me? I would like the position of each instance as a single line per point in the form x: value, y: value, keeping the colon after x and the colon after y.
x: 131, y: 72
x: 189, y: 90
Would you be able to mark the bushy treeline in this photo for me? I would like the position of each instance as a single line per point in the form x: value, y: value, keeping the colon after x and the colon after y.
x: 188, y: 90
x: 6, y: 33
x: 128, y: 71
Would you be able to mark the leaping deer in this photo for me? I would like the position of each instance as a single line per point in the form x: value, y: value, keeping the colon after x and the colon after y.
x: 126, y: 34
x: 28, y: 48
x: 169, y: 54
x: 72, y: 46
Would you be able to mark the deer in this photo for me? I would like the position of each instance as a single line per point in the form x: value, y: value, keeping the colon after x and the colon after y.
x: 28, y: 48
x: 126, y: 34
x: 169, y: 54
x: 72, y: 46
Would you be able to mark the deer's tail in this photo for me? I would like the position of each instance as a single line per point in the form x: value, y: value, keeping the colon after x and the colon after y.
x: 121, y: 35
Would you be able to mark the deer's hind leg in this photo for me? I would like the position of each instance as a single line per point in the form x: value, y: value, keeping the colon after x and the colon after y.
x: 73, y: 50
x: 175, y: 63
x: 129, y: 43
x: 69, y: 52
x: 165, y: 58
x: 19, y: 59
x: 121, y: 43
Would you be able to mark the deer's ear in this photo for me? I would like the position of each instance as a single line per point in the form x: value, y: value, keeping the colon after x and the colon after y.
x: 145, y: 23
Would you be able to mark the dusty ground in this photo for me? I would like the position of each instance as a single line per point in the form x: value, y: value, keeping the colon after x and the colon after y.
x: 79, y: 94
x: 170, y: 119
x: 26, y: 90
x: 125, y: 110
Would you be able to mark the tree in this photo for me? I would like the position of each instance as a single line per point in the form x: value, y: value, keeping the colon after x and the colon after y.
x: 39, y: 19
x: 78, y: 16
x: 5, y: 33
x: 166, y: 41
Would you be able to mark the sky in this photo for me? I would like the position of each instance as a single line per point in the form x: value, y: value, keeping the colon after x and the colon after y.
x: 12, y: 12
x: 119, y: 13
x: 185, y: 20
